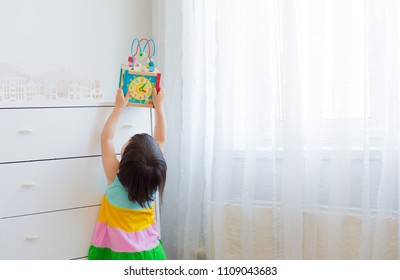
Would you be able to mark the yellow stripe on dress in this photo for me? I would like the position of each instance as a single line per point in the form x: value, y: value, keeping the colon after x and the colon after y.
x: 128, y: 220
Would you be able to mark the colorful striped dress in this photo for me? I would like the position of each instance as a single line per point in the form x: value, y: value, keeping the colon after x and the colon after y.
x: 125, y: 230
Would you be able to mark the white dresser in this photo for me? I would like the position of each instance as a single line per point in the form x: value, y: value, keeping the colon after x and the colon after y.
x: 51, y: 176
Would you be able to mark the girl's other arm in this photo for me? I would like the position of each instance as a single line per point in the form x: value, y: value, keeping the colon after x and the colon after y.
x: 160, y: 128
x: 109, y: 159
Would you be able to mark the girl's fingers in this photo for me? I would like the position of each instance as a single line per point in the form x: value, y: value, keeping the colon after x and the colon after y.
x: 128, y: 94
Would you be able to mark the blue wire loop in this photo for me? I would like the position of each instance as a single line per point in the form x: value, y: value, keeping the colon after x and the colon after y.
x: 148, y: 45
x: 139, y: 47
x: 142, y: 50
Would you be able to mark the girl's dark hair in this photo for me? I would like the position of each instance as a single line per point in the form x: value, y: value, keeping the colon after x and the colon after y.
x: 142, y: 170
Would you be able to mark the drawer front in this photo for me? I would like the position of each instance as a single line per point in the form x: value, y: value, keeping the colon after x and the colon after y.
x: 45, y: 133
x: 42, y: 186
x: 57, y: 235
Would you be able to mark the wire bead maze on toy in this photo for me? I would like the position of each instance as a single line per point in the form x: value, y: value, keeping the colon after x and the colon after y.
x: 141, y: 53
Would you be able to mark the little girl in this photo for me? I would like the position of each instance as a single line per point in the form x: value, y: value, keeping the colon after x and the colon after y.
x: 126, y: 227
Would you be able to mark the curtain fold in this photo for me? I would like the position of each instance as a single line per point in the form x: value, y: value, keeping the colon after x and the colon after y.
x: 283, y: 138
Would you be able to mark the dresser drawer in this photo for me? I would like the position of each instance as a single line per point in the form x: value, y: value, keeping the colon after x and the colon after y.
x: 41, y: 186
x: 45, y: 133
x: 57, y: 235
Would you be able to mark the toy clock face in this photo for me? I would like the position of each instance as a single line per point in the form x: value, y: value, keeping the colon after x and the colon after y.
x: 141, y: 88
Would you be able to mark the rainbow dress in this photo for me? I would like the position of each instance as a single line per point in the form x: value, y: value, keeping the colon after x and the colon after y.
x: 124, y: 230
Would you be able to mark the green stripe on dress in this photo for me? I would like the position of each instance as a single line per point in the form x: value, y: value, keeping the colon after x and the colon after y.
x: 97, y: 253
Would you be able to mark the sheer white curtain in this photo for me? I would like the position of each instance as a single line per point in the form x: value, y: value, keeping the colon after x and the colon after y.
x: 283, y: 120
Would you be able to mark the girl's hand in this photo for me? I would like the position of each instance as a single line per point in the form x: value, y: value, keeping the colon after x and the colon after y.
x: 120, y: 100
x: 158, y: 98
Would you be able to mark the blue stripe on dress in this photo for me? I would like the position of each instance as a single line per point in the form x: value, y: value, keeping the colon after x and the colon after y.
x: 117, y: 195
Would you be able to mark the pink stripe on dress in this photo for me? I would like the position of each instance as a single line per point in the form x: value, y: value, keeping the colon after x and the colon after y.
x: 120, y: 241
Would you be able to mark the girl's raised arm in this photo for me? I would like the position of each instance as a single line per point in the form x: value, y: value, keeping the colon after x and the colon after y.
x: 109, y: 159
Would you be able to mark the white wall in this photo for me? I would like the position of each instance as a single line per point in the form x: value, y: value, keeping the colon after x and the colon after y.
x: 315, y: 233
x: 84, y: 38
x: 169, y: 55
